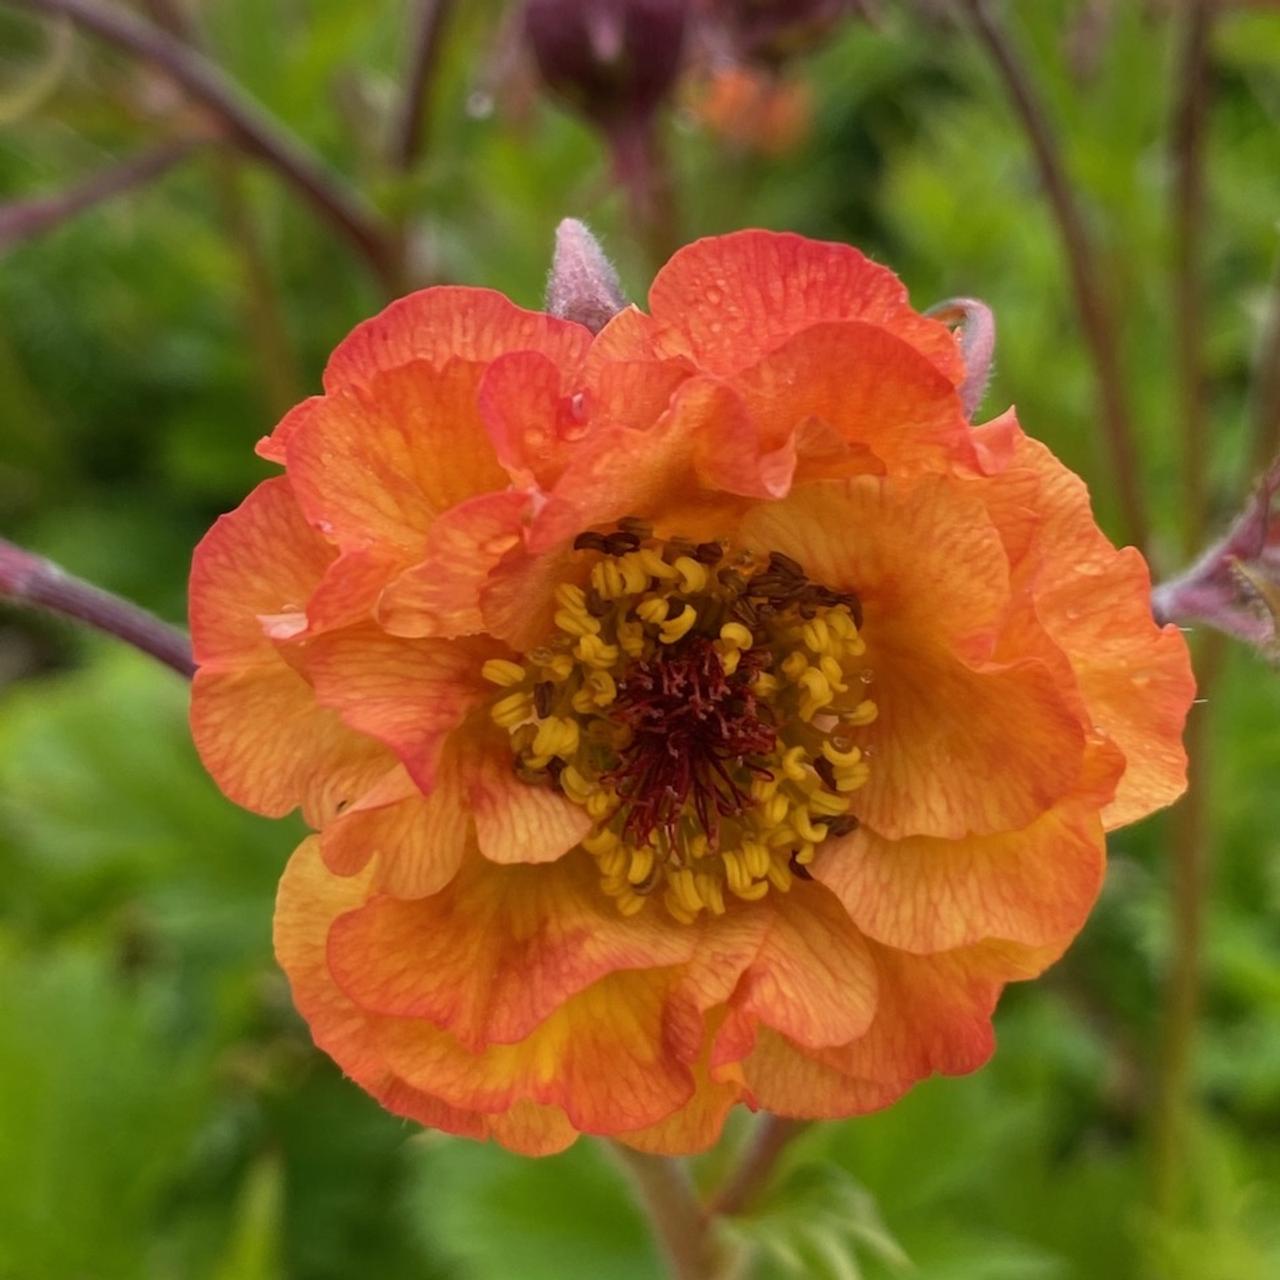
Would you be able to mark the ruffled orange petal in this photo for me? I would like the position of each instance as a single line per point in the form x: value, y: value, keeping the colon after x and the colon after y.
x: 497, y: 952
x: 419, y: 841
x: 1095, y: 602
x: 926, y: 895
x: 726, y: 301
x: 406, y: 694
x: 309, y: 900
x: 600, y: 1057
x: 257, y: 564
x: 783, y: 1078
x: 962, y: 744
x: 254, y: 720
x: 516, y: 822
x: 270, y: 748
x: 440, y: 595
x: 802, y: 969
x: 376, y: 464
x: 871, y: 387
x: 450, y: 321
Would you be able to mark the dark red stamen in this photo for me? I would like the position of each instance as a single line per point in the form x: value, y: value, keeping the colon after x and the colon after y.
x: 695, y: 736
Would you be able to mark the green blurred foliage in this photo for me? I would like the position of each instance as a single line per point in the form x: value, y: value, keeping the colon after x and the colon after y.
x: 162, y: 1113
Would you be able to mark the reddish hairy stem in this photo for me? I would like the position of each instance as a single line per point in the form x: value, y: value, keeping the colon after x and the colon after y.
x: 1266, y: 386
x: 29, y: 579
x: 1092, y: 305
x: 667, y: 1195
x: 1191, y: 861
x: 1191, y: 838
x: 23, y: 219
x: 246, y: 121
x: 772, y: 1137
x: 1187, y: 145
x: 430, y: 20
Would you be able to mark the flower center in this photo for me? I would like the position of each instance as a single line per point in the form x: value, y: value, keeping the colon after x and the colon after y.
x: 702, y: 706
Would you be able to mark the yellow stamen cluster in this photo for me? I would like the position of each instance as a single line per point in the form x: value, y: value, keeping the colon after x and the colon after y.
x: 772, y: 664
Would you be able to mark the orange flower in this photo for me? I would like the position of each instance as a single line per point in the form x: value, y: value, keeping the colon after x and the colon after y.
x: 699, y: 713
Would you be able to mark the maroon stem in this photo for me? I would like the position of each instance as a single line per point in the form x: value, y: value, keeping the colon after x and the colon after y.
x: 1192, y: 835
x: 1187, y: 146
x: 246, y: 121
x: 641, y: 168
x: 430, y: 20
x: 22, y: 219
x: 772, y: 1137
x: 667, y: 1196
x: 29, y: 579
x: 1266, y: 387
x: 1092, y: 304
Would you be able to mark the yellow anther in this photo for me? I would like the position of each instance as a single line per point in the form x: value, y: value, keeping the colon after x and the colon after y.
x: 598, y: 842
x: 600, y: 804
x: 578, y: 789
x: 711, y: 891
x: 839, y: 758
x: 655, y: 566
x: 615, y: 884
x: 804, y: 854
x: 630, y: 903
x: 736, y: 635
x: 795, y: 764
x: 735, y: 869
x: 764, y: 685
x: 635, y: 577
x: 614, y: 862
x: 779, y: 875
x: 557, y: 736
x: 571, y: 596
x: 513, y: 709
x: 630, y: 637
x: 729, y: 661
x: 794, y: 665
x: 864, y: 713
x: 698, y: 846
x: 652, y: 609
x: 501, y: 672
x: 595, y: 652
x: 823, y: 802
x: 641, y: 864
x: 776, y: 808
x: 677, y: 909
x: 576, y: 624
x: 560, y: 667
x: 686, y: 891
x: 816, y: 635
x: 841, y: 623
x: 679, y: 627
x: 806, y: 829
x: 834, y: 673
x: 764, y: 788
x: 606, y: 577
x: 752, y: 892
x: 817, y: 695
x: 756, y: 858
x: 693, y: 576
x: 852, y: 778
x: 602, y: 687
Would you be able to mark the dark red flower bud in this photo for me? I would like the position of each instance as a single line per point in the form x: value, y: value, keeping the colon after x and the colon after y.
x: 770, y: 32
x: 613, y: 60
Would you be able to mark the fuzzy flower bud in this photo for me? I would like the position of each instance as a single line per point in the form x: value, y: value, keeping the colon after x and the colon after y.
x: 1235, y: 586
